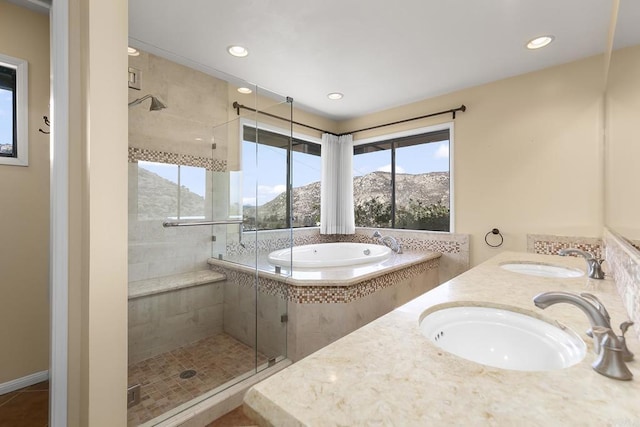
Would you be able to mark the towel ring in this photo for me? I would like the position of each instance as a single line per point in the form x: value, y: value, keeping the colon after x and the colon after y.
x: 497, y: 232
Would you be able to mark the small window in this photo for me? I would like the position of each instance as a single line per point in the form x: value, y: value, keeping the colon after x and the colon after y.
x: 13, y: 111
x: 168, y: 191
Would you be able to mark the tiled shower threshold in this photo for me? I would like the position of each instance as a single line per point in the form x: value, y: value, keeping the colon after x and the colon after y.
x: 219, y: 362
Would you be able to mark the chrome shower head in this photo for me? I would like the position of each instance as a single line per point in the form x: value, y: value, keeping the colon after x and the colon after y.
x: 156, y: 103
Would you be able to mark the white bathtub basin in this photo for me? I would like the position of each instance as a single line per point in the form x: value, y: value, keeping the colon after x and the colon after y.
x: 502, y: 338
x: 541, y: 270
x: 329, y: 255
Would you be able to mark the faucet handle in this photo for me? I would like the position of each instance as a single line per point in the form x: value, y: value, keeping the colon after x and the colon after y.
x: 627, y: 355
x: 610, y: 362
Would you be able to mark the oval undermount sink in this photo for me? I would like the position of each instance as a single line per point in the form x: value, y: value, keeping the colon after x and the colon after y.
x: 503, y: 338
x: 541, y: 270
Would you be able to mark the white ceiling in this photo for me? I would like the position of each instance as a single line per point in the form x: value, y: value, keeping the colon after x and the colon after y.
x: 379, y: 53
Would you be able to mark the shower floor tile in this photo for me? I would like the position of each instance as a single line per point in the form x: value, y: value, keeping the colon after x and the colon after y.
x: 216, y: 360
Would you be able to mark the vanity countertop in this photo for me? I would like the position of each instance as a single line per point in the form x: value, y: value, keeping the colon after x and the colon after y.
x: 387, y: 373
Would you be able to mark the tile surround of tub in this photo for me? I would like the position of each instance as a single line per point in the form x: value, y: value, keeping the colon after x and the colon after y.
x: 318, y: 313
x: 550, y: 245
x: 453, y: 247
x: 623, y: 260
x: 314, y: 325
x: 295, y: 289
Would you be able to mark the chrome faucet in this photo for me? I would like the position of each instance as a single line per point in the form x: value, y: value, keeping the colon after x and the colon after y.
x: 594, y: 266
x: 611, y: 349
x: 388, y: 241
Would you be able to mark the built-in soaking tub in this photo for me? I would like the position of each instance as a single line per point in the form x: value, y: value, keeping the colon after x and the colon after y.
x: 323, y: 255
x: 313, y: 305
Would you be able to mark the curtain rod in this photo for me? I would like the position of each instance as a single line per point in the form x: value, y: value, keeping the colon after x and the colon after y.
x: 452, y: 111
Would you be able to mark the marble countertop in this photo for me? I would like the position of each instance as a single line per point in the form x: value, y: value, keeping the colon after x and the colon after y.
x: 336, y: 276
x: 387, y: 373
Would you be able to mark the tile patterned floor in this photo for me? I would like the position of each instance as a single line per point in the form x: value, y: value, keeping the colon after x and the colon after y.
x: 27, y: 407
x: 216, y: 359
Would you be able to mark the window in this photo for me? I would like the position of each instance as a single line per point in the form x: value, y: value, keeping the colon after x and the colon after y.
x: 403, y: 181
x: 265, y: 176
x: 168, y: 191
x: 13, y: 111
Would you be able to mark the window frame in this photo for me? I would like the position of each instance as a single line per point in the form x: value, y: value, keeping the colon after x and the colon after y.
x: 282, y: 131
x: 21, y: 125
x: 418, y: 131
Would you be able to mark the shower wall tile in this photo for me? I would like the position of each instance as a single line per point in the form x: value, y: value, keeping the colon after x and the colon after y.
x: 181, y: 134
x: 165, y: 321
x: 196, y: 102
x: 623, y: 260
x: 147, y: 155
x: 155, y: 251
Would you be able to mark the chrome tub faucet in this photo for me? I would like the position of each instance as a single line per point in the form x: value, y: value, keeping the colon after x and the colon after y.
x: 388, y: 241
x: 611, y: 349
x: 594, y: 266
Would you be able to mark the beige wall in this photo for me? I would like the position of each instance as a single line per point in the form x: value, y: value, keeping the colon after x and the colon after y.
x: 24, y: 210
x: 622, y: 191
x: 97, y: 213
x: 527, y: 154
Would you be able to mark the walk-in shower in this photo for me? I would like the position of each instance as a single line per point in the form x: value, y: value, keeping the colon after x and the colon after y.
x: 194, y: 332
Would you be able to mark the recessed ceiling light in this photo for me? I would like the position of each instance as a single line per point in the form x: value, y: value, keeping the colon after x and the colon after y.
x: 198, y: 139
x: 133, y: 51
x: 539, y: 42
x: 244, y: 90
x: 335, y: 95
x: 238, y: 51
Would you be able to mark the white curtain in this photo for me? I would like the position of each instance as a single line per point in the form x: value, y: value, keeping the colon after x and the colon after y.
x: 336, y: 194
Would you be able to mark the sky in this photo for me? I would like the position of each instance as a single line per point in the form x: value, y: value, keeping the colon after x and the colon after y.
x: 6, y: 116
x: 267, y: 176
x: 433, y: 157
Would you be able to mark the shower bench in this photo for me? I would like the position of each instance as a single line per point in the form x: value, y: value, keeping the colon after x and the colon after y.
x: 168, y: 312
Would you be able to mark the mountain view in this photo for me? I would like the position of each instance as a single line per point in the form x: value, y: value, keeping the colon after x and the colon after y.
x: 422, y: 202
x: 158, y: 198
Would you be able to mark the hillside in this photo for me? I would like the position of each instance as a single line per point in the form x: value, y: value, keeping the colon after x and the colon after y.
x: 158, y: 198
x: 429, y: 189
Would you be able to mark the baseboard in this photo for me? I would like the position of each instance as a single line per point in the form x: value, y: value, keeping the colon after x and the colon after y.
x: 23, y: 382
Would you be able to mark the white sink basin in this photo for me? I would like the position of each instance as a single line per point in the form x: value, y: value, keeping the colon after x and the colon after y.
x: 503, y: 338
x: 541, y: 270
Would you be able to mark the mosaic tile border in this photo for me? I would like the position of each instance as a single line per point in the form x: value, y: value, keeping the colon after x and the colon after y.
x: 623, y: 261
x: 346, y: 294
x: 144, y: 154
x: 411, y: 240
x: 326, y: 294
x: 550, y: 245
x: 408, y: 243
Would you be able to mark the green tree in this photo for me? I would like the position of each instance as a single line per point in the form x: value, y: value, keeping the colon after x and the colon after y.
x: 373, y: 213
